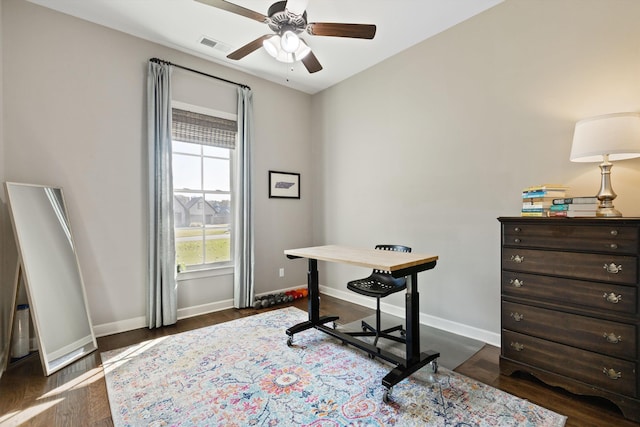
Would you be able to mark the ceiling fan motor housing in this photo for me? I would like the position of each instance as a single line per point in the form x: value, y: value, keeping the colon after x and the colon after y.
x: 281, y: 20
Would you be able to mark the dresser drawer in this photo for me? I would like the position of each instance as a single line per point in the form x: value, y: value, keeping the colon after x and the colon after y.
x: 609, y: 238
x: 599, y: 267
x: 602, y: 336
x: 608, y: 373
x: 610, y: 298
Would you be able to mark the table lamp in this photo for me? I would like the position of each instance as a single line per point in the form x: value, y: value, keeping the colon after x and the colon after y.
x: 604, y: 138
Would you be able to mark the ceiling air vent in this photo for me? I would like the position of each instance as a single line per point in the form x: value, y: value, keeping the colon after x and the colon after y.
x: 215, y: 44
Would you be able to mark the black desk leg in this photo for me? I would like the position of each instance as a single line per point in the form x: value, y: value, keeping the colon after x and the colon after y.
x: 414, y: 358
x: 314, y: 304
x: 412, y: 311
x: 314, y: 291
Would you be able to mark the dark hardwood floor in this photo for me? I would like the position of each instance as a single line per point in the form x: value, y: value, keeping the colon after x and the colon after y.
x: 77, y: 395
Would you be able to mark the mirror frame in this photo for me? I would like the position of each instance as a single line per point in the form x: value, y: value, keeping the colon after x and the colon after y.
x: 73, y: 350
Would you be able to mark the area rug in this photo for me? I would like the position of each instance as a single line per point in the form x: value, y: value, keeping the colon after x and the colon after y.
x: 242, y: 373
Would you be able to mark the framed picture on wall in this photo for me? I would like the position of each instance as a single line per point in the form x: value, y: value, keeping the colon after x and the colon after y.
x: 284, y: 185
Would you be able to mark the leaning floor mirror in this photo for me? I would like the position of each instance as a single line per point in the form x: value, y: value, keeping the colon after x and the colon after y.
x: 48, y: 265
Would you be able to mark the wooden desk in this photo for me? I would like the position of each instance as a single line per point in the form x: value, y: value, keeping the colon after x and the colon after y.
x: 400, y: 264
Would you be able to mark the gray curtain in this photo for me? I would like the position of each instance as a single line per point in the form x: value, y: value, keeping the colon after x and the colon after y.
x: 162, y: 304
x: 243, y: 278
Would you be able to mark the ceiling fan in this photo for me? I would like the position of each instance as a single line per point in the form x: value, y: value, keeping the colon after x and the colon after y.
x: 288, y: 20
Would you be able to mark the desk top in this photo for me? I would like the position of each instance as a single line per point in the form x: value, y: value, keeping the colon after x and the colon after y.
x: 373, y: 258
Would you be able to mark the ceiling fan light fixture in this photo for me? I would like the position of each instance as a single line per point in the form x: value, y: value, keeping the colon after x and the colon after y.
x: 302, y: 51
x: 290, y: 42
x: 285, y: 57
x: 272, y: 45
x: 274, y: 48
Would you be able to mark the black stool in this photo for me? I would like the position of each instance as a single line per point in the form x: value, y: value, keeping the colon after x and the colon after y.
x: 379, y: 285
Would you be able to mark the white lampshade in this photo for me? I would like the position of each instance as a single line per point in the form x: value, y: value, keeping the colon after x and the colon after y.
x: 303, y: 50
x: 617, y: 135
x: 273, y: 47
x: 289, y: 41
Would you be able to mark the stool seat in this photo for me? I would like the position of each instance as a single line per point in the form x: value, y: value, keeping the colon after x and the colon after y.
x: 377, y: 285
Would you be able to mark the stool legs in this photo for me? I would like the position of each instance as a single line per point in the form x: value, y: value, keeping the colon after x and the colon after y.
x: 378, y: 332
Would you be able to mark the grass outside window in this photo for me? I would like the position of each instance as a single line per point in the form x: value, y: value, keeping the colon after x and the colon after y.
x: 189, y: 252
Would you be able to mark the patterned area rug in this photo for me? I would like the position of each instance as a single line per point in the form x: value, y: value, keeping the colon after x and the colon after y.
x: 242, y: 373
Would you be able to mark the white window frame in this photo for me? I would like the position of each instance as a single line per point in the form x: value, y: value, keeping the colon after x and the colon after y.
x: 212, y: 269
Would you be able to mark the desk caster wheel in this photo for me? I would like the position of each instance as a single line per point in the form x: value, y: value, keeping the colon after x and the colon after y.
x: 434, y: 366
x: 290, y: 341
x: 371, y: 356
x: 387, y: 395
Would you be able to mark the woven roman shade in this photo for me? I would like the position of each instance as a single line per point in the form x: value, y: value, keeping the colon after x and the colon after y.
x: 187, y: 126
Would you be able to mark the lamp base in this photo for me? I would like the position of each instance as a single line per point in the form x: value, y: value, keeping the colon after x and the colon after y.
x: 606, y: 193
x: 608, y: 213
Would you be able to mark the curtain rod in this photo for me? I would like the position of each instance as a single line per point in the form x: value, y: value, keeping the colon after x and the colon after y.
x: 162, y: 61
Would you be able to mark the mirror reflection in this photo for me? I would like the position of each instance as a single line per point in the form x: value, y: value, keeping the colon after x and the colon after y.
x: 51, y: 274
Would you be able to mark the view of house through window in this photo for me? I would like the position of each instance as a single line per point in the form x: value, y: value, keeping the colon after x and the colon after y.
x: 201, y: 202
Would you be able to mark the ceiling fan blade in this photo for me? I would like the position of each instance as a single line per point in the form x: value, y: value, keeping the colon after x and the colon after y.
x: 297, y: 7
x: 356, y: 31
x: 248, y: 48
x: 234, y: 8
x: 311, y: 63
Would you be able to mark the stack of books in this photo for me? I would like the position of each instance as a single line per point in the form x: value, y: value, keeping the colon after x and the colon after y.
x: 538, y: 199
x: 584, y: 206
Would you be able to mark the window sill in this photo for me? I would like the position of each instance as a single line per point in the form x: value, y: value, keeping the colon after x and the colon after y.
x: 205, y: 272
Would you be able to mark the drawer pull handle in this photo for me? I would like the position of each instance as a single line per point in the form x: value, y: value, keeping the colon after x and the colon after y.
x: 516, y: 240
x: 516, y: 283
x: 612, y: 338
x: 612, y: 268
x: 613, y: 246
x: 611, y: 373
x: 614, y: 232
x: 517, y: 229
x: 517, y: 316
x: 612, y: 298
x: 517, y: 258
x: 517, y: 346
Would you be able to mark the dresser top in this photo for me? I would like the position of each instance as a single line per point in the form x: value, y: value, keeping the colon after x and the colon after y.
x: 572, y: 221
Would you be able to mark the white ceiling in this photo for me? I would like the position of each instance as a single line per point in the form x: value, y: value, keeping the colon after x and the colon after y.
x: 181, y: 24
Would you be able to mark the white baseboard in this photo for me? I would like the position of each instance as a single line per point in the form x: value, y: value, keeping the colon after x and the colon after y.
x: 141, y: 322
x: 183, y: 313
x: 119, y: 326
x: 425, y: 319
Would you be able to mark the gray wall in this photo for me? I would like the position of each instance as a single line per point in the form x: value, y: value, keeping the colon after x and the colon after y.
x: 429, y: 147
x: 75, y: 117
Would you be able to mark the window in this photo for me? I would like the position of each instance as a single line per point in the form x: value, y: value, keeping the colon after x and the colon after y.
x: 202, y: 151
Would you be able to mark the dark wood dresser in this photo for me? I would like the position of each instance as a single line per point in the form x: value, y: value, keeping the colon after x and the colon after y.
x: 570, y: 305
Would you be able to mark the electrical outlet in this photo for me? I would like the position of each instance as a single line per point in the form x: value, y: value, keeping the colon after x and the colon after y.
x: 282, y: 272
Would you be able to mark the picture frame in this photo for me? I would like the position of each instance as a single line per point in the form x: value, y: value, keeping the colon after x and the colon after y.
x: 284, y: 185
